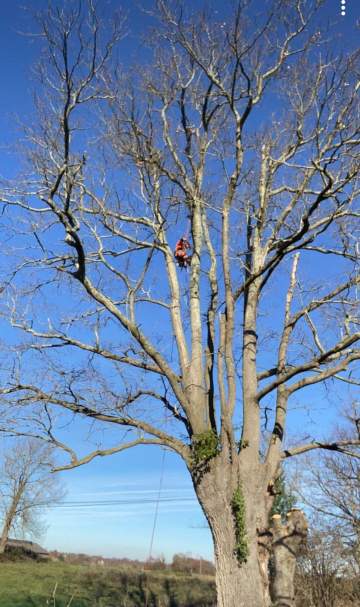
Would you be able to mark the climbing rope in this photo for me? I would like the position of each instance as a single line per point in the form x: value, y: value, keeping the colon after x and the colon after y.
x: 156, y: 512
x: 188, y: 226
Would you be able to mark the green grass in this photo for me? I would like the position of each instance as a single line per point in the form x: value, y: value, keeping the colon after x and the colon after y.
x: 31, y: 584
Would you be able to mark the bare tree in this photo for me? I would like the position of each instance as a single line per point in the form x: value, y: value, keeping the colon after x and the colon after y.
x: 330, y: 486
x: 247, y: 131
x: 320, y: 570
x: 27, y: 487
x: 325, y: 577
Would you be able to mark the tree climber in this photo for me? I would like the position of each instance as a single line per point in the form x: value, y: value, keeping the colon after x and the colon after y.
x: 180, y: 253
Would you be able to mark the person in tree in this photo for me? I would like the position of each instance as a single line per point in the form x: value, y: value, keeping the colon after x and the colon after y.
x: 181, y: 252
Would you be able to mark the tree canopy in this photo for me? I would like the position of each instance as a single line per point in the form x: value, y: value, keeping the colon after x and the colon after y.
x: 242, y: 135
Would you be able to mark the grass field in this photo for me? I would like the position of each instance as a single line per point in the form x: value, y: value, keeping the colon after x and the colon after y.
x: 56, y: 584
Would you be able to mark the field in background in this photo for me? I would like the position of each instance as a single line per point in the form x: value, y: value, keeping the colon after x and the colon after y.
x: 29, y: 583
x: 38, y: 584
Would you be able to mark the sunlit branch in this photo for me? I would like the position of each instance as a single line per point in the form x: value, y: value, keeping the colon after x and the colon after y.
x: 339, y: 446
x: 80, y: 461
x: 27, y: 394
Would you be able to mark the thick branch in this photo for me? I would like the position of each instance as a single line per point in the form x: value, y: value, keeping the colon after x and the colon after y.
x: 339, y: 446
x: 76, y: 461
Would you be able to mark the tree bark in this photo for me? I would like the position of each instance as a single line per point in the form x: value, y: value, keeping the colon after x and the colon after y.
x: 245, y: 581
x: 6, y: 529
x: 237, y: 585
x: 10, y: 516
x: 4, y: 536
x: 239, y: 582
x: 287, y: 539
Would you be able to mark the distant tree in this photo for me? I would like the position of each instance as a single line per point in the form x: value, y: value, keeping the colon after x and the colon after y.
x: 320, y: 567
x: 27, y: 487
x: 156, y: 563
x: 238, y: 131
x: 190, y: 564
x: 330, y: 486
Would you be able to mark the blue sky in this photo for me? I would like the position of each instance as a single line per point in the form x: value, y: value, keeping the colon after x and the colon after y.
x: 126, y: 529
x: 123, y: 530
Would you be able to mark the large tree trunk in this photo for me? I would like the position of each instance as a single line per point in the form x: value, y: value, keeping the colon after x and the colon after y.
x: 240, y: 582
x: 237, y: 584
x: 244, y: 581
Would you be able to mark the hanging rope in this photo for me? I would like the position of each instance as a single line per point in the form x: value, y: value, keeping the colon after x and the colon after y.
x: 156, y: 513
x: 157, y: 505
x: 188, y: 226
